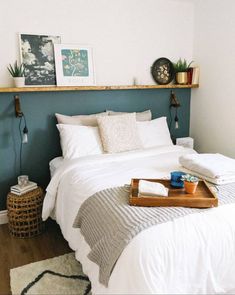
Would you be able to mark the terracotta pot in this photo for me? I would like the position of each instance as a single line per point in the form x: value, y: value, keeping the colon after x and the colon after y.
x: 190, y: 187
x: 181, y: 78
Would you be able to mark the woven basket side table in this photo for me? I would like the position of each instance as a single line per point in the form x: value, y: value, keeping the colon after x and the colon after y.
x: 24, y: 213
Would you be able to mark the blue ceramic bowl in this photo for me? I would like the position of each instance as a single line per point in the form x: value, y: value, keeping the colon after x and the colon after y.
x: 176, y: 179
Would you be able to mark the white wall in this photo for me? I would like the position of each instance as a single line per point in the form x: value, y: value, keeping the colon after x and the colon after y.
x: 213, y: 104
x: 127, y: 35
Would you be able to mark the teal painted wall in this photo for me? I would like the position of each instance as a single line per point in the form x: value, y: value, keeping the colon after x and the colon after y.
x: 43, y: 145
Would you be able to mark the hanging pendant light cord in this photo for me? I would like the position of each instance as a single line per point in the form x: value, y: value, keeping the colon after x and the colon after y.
x: 21, y: 140
x: 20, y: 145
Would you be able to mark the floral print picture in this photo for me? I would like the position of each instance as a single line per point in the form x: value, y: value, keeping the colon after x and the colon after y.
x: 74, y: 65
x: 75, y: 62
x: 37, y: 55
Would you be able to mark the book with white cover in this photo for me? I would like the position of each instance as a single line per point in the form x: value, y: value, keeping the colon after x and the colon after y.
x: 195, y: 77
x: 24, y: 190
x: 20, y: 193
x: 16, y: 189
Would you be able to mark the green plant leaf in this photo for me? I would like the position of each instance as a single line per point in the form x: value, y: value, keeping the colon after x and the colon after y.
x: 181, y: 66
x: 189, y: 178
x: 16, y: 70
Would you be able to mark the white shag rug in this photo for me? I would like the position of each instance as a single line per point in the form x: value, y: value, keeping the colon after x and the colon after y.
x: 59, y: 275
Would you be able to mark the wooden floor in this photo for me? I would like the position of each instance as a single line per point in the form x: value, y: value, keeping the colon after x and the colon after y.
x: 15, y: 252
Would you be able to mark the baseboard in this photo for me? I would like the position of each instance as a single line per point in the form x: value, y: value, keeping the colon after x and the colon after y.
x: 3, y: 217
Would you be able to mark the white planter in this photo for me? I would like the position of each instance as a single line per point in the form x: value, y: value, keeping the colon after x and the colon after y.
x: 19, y: 81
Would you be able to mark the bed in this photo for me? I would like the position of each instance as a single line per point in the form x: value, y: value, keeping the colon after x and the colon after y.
x: 194, y: 254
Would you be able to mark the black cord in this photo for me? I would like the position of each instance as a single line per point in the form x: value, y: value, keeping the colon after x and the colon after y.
x: 170, y: 120
x: 21, y: 144
x: 21, y: 138
x: 25, y: 125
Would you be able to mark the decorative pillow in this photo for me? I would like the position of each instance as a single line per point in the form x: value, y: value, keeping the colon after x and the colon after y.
x: 154, y: 133
x: 85, y: 120
x: 79, y: 141
x: 140, y: 116
x: 119, y: 133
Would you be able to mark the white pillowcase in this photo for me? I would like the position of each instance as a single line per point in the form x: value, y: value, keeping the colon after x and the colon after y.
x: 140, y: 116
x: 154, y: 133
x: 54, y: 164
x: 79, y: 141
x: 85, y: 120
x: 119, y: 133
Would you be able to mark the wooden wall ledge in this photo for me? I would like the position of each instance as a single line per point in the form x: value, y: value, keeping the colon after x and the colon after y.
x: 79, y: 88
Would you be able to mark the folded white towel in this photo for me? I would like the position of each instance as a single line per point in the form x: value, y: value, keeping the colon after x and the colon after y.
x: 218, y: 181
x: 209, y: 165
x: 149, y: 188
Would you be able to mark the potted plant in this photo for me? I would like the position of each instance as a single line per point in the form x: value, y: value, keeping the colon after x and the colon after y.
x: 181, y: 68
x: 17, y: 72
x: 190, y: 183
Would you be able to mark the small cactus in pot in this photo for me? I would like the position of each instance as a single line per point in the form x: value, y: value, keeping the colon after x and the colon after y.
x: 190, y: 183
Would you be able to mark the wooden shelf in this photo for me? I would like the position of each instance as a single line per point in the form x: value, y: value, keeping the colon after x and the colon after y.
x: 77, y: 88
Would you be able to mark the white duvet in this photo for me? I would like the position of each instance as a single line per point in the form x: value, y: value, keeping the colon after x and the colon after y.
x: 191, y: 255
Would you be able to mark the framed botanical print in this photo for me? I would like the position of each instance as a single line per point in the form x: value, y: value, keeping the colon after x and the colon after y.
x: 74, y: 65
x: 37, y: 55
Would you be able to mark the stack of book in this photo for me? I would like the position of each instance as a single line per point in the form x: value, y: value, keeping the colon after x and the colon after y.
x: 20, y: 190
x: 193, y: 75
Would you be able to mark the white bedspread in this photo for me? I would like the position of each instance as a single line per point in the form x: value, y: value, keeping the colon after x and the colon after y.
x: 192, y: 255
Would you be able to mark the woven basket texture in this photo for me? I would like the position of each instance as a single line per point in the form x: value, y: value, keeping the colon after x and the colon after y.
x: 24, y: 213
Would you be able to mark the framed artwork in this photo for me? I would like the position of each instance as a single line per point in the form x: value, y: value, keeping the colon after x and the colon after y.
x: 162, y: 71
x: 37, y: 55
x: 74, y: 65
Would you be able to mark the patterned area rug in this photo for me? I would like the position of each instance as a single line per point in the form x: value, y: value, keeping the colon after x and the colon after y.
x: 59, y: 275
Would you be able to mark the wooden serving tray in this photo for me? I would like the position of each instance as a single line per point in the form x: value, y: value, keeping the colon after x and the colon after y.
x: 203, y: 197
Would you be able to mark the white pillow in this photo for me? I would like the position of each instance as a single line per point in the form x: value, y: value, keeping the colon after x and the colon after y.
x: 140, y: 116
x: 119, y: 133
x: 154, y: 133
x: 79, y: 141
x: 86, y: 120
x: 54, y: 164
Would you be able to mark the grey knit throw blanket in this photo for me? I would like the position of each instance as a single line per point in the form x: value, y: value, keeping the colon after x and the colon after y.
x: 108, y: 223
